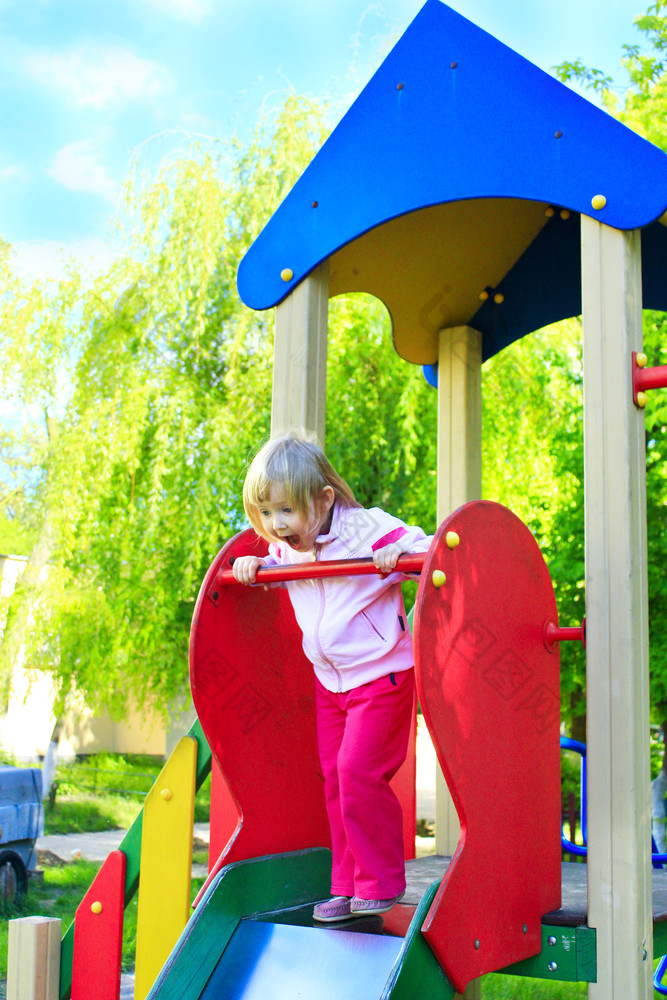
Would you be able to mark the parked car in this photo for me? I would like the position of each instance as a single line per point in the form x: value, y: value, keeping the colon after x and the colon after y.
x: 21, y: 822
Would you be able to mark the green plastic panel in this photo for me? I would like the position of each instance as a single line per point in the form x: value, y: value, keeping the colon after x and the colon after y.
x: 244, y: 889
x: 568, y: 956
x: 416, y: 972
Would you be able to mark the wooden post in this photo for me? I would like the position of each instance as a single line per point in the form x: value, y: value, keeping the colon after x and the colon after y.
x: 459, y: 480
x: 33, y: 970
x: 619, y: 831
x: 300, y: 357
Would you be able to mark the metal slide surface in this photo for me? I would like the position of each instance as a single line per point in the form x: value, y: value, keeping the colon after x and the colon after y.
x: 287, y: 962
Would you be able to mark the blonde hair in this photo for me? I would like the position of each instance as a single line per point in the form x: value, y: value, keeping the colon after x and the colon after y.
x: 295, y: 462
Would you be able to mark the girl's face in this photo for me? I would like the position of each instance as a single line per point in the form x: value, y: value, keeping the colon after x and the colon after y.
x: 284, y: 522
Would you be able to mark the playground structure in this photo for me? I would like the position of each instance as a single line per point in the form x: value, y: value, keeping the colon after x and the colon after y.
x: 480, y: 200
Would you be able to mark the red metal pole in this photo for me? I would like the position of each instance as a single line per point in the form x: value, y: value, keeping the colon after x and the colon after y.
x: 644, y: 378
x: 553, y: 633
x: 652, y: 378
x: 410, y: 563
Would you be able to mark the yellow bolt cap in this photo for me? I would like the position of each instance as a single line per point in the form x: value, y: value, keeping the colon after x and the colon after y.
x: 642, y: 399
x: 96, y: 907
x: 483, y: 296
x: 565, y: 213
x: 287, y: 274
x: 498, y: 298
x: 641, y: 360
x: 167, y: 794
x: 452, y: 539
x: 598, y: 201
x: 438, y: 578
x: 550, y: 212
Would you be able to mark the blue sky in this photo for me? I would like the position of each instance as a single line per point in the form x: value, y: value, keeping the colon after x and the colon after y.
x: 85, y: 83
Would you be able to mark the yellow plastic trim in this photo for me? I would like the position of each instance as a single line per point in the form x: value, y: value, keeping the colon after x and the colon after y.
x: 428, y: 266
x: 166, y: 864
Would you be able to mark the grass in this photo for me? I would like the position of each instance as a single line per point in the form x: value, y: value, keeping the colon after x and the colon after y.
x: 87, y: 814
x: 57, y: 896
x: 519, y: 988
x: 87, y: 799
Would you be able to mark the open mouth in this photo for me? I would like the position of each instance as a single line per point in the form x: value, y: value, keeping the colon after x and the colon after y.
x: 293, y: 541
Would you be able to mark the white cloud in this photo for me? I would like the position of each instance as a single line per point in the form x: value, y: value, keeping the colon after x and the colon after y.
x: 10, y: 172
x: 96, y: 76
x: 78, y: 167
x: 183, y: 10
x: 49, y: 258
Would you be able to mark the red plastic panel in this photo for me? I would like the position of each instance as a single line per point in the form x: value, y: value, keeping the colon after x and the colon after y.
x: 224, y: 815
x: 489, y: 691
x: 98, y: 934
x: 254, y: 693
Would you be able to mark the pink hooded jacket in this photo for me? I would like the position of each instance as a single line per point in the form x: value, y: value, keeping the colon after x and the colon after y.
x: 354, y: 628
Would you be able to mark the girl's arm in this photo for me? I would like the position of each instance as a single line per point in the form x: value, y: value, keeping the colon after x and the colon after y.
x: 400, y: 538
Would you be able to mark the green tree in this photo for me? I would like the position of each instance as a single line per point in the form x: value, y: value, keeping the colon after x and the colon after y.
x: 149, y: 388
x: 533, y: 463
x: 641, y: 105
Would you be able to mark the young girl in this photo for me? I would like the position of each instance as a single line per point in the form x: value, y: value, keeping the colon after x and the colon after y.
x: 356, y: 636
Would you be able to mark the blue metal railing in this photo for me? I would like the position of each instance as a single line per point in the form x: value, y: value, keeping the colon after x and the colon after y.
x: 658, y: 859
x: 577, y: 849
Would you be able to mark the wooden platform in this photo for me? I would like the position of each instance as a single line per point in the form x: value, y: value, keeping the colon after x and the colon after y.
x: 422, y: 872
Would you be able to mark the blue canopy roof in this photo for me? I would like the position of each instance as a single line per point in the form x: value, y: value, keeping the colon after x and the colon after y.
x: 448, y: 178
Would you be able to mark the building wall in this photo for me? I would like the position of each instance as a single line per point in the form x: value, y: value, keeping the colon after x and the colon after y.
x: 26, y: 727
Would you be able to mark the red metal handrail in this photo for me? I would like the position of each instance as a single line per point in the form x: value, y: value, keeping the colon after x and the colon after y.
x: 409, y: 563
x: 554, y: 633
x: 644, y: 378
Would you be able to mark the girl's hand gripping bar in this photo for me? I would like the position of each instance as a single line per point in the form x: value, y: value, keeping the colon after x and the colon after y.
x: 409, y: 563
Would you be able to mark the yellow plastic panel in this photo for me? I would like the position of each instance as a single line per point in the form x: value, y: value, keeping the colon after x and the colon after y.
x: 166, y: 864
x: 430, y: 266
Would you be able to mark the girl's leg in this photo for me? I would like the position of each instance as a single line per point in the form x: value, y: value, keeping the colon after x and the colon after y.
x: 330, y: 714
x: 374, y: 746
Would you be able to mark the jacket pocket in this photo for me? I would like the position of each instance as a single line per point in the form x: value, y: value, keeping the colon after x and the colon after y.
x: 372, y: 625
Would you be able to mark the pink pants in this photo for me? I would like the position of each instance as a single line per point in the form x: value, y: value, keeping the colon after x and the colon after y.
x: 363, y: 739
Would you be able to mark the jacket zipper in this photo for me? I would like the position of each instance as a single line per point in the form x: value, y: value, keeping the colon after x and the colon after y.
x: 320, y: 587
